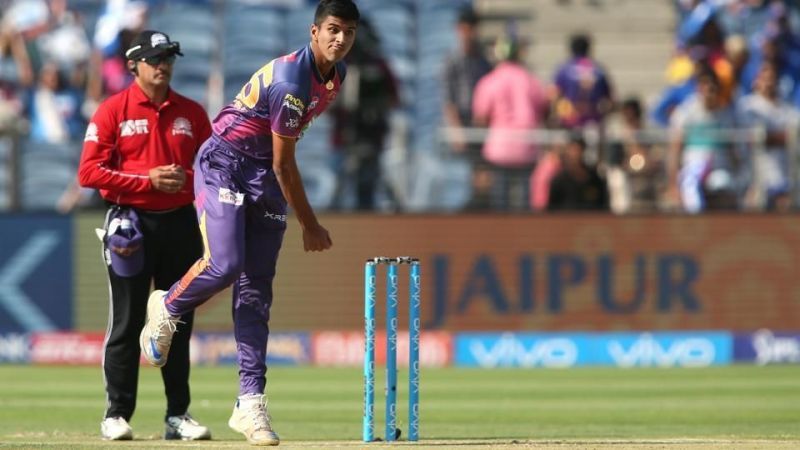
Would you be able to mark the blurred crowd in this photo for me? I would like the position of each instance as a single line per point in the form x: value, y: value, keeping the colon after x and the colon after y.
x: 721, y: 135
x: 735, y: 66
x: 55, y: 67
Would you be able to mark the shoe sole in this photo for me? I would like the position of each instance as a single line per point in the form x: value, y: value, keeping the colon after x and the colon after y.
x: 178, y: 437
x: 144, y: 342
x: 271, y: 442
x: 124, y: 437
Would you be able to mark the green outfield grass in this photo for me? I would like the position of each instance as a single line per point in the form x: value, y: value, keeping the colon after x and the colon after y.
x: 756, y: 407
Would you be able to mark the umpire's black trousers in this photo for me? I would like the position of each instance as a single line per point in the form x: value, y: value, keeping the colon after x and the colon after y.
x: 172, y: 243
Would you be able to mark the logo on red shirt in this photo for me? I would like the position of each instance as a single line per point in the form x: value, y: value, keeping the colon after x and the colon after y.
x: 182, y: 126
x: 91, y: 133
x: 132, y: 127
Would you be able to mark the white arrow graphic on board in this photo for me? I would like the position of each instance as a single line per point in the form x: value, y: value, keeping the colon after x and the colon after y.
x: 16, y: 271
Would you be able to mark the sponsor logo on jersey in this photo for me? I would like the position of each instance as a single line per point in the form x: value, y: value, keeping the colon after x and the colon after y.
x: 314, y: 103
x: 132, y: 127
x: 278, y: 217
x: 91, y: 133
x: 294, y: 103
x: 182, y: 126
x: 293, y: 123
x: 230, y: 197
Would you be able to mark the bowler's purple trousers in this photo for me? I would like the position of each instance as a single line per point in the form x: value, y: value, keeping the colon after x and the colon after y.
x: 242, y: 215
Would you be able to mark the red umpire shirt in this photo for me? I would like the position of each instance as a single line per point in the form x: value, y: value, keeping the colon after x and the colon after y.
x: 129, y: 135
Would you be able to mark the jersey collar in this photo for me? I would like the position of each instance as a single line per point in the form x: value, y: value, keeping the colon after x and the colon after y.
x: 315, y: 70
x: 140, y: 97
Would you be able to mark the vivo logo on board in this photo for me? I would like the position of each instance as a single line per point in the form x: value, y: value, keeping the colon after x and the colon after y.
x: 562, y: 350
x: 647, y: 351
x: 512, y: 350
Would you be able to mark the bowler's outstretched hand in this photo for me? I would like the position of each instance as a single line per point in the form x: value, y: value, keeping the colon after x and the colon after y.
x: 316, y: 239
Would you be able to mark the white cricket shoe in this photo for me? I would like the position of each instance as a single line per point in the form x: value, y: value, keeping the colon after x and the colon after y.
x: 158, y: 329
x: 185, y: 428
x: 250, y: 418
x: 116, y: 429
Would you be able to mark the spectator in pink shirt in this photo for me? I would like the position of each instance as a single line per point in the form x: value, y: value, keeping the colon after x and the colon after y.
x: 511, y: 102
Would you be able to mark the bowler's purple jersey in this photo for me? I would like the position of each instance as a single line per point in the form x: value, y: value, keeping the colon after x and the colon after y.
x: 240, y: 205
x: 282, y: 97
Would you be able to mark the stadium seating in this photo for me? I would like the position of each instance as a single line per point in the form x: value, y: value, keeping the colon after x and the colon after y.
x: 252, y: 34
x: 46, y: 171
x: 224, y: 42
x: 5, y: 173
x: 191, y: 24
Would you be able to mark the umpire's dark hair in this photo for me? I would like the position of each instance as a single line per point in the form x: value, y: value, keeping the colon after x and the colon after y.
x: 343, y: 9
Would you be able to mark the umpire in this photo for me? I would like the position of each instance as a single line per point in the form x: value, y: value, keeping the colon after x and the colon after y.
x: 138, y: 152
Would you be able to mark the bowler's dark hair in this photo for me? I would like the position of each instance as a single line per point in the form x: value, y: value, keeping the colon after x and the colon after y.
x: 343, y: 9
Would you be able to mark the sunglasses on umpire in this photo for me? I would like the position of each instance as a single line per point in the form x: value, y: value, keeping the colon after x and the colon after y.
x: 159, y: 59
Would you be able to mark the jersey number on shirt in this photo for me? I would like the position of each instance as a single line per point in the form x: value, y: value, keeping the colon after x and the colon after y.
x: 250, y: 92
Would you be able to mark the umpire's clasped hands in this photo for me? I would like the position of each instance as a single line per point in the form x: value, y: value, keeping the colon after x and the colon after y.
x: 169, y: 178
